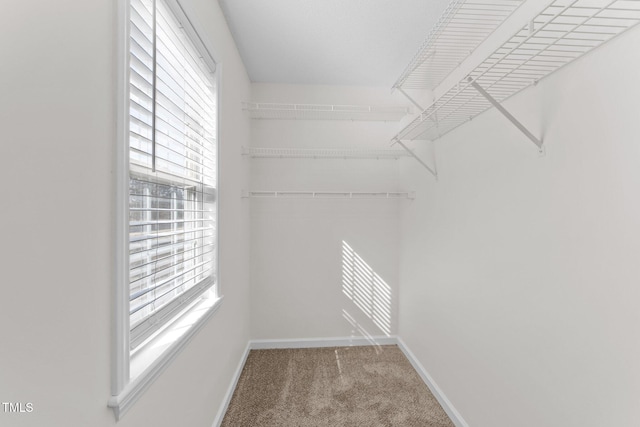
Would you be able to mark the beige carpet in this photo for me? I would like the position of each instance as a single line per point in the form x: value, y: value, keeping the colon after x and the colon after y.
x: 338, y: 386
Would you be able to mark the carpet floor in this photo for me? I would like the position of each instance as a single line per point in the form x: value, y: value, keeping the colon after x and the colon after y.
x: 371, y: 386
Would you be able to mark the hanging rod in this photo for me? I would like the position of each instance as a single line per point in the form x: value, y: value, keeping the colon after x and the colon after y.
x: 397, y: 195
x: 562, y: 32
x: 323, y: 153
x: 261, y: 110
x: 459, y: 30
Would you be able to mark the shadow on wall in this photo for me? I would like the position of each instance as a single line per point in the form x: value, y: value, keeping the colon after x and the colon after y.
x: 366, y: 290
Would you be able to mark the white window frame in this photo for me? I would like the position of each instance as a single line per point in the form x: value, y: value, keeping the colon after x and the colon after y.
x: 133, y: 373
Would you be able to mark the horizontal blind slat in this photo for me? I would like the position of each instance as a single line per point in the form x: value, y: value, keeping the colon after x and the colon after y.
x: 175, y: 42
x: 192, y: 151
x: 172, y: 278
x: 166, y: 264
x: 143, y: 73
x: 137, y: 257
x: 133, y: 239
x: 207, y: 193
x: 162, y: 253
x: 172, y: 224
x: 183, y: 76
x: 143, y: 300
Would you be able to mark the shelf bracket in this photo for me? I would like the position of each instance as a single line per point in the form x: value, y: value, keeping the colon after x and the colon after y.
x: 413, y: 101
x: 505, y: 113
x: 426, y: 166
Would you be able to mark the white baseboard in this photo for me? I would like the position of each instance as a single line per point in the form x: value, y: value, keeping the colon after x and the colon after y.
x: 448, y: 407
x: 232, y: 387
x: 322, y: 342
x: 446, y: 404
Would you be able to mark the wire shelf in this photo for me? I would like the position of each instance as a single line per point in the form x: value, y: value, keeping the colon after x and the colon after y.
x: 325, y: 112
x: 323, y: 153
x: 461, y: 28
x: 562, y: 32
x: 399, y: 195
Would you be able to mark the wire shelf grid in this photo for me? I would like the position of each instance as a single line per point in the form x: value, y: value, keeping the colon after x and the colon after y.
x: 394, y: 195
x: 460, y: 29
x: 259, y: 110
x: 323, y: 153
x: 561, y: 33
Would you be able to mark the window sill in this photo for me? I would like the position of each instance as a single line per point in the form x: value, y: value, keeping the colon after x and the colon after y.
x: 153, y: 357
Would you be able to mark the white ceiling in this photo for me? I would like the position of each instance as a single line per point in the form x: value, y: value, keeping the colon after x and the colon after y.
x: 332, y: 42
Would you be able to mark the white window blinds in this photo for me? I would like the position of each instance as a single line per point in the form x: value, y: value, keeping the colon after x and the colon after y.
x: 172, y: 165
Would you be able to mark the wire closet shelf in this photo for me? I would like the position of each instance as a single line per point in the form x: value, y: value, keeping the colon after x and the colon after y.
x: 323, y: 153
x: 397, y: 195
x: 562, y: 32
x: 261, y: 110
x: 460, y: 29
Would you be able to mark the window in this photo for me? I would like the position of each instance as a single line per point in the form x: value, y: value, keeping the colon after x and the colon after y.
x: 168, y: 237
x: 172, y: 169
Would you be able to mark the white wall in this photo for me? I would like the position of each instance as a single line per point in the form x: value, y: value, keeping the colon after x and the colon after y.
x: 57, y: 142
x: 519, y: 278
x: 519, y: 274
x: 297, y: 245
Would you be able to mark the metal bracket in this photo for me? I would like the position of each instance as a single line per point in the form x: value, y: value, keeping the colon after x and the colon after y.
x: 413, y: 101
x: 507, y: 114
x: 422, y: 110
x: 426, y: 166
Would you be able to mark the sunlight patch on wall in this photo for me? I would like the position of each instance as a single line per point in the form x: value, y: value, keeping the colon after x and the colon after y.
x: 366, y: 289
x: 361, y: 330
